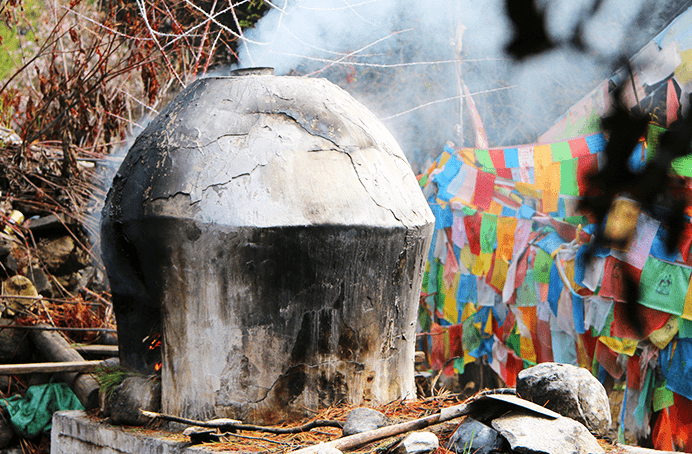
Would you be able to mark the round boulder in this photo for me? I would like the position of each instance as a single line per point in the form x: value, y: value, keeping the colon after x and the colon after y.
x: 569, y: 390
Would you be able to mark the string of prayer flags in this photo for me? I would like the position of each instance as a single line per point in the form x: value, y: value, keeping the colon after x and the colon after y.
x: 508, y: 276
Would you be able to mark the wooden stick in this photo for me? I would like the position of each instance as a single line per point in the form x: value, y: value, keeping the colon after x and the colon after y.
x: 33, y: 368
x: 228, y: 424
x: 353, y: 441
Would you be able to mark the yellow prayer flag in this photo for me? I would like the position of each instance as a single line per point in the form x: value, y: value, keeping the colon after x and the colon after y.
x: 624, y: 346
x: 687, y: 310
x: 450, y: 309
x: 499, y: 273
x: 444, y: 157
x: 466, y: 257
x: 483, y: 263
x: 527, y: 350
x: 662, y: 336
x: 469, y: 311
x: 495, y: 208
x: 506, y: 228
x: 527, y: 189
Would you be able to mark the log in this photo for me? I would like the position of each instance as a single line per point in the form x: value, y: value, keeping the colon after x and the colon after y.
x: 49, y: 368
x: 104, y: 350
x: 356, y: 440
x: 55, y: 348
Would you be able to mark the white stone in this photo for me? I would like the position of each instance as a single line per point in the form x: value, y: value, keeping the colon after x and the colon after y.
x: 533, y: 434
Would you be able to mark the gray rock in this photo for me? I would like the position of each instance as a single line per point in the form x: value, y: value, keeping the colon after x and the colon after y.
x: 569, y: 390
x: 6, y: 432
x: 418, y: 443
x: 15, y: 346
x: 50, y: 224
x: 363, y: 419
x: 131, y: 395
x: 61, y: 256
x: 533, y: 434
x: 40, y: 280
x: 474, y: 436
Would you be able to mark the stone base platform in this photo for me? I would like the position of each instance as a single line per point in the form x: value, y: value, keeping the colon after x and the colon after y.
x: 74, y: 432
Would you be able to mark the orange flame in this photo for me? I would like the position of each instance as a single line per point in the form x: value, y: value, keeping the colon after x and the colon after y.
x: 157, y: 367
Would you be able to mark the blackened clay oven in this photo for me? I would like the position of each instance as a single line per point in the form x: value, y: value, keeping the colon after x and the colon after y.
x: 273, y: 231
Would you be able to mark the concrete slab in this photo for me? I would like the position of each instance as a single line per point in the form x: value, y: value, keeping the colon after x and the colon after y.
x: 75, y: 432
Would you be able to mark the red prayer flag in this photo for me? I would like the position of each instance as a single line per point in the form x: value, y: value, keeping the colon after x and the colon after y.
x: 650, y: 319
x: 685, y: 243
x: 609, y: 360
x: 498, y: 158
x: 586, y: 165
x: 681, y: 416
x: 455, y: 345
x: 672, y: 103
x: 438, y: 346
x: 662, y: 434
x: 472, y: 224
x: 613, y: 284
x: 544, y: 347
x: 485, y: 186
x: 513, y: 367
x: 504, y: 172
x: 634, y: 373
x: 579, y: 147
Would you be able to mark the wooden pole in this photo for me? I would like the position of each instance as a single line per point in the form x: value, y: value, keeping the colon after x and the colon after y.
x: 355, y: 440
x: 49, y: 368
x: 55, y: 348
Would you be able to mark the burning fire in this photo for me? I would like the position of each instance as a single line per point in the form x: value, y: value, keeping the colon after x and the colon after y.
x: 157, y: 367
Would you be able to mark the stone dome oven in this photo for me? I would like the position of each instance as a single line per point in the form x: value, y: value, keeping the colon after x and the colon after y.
x: 272, y: 231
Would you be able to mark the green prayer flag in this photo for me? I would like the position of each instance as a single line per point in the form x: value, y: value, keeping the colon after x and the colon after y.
x: 485, y: 161
x: 526, y: 293
x: 568, y: 177
x: 662, y: 398
x: 468, y: 211
x: 684, y: 328
x: 514, y: 343
x: 576, y: 220
x: 424, y: 180
x: 459, y: 365
x: 652, y: 138
x: 440, y: 297
x: 488, y: 233
x: 683, y: 166
x: 663, y: 286
x: 470, y: 337
x: 541, y: 267
x: 561, y: 151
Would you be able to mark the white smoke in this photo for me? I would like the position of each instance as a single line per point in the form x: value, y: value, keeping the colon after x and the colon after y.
x: 398, y: 58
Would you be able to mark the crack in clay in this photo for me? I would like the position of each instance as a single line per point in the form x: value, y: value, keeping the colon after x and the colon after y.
x: 353, y: 164
x: 309, y: 366
x: 312, y: 133
x: 215, y: 186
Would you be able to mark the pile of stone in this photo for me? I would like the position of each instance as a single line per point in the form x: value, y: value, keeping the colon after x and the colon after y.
x: 46, y: 271
x: 574, y: 412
